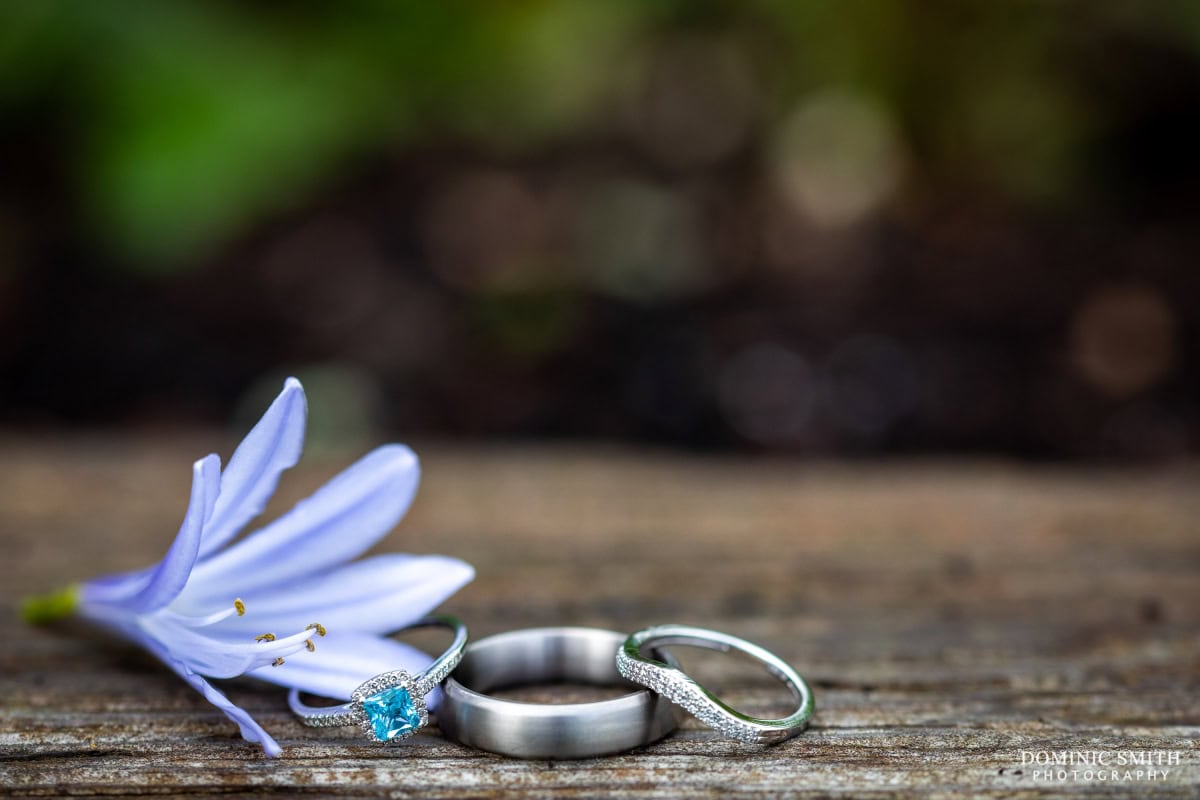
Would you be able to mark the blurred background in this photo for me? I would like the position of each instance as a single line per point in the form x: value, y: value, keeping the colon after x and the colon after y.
x: 795, y: 226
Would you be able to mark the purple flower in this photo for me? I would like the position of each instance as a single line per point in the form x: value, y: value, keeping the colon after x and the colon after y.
x: 211, y: 609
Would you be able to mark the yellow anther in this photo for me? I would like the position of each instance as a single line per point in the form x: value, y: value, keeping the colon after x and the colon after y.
x: 318, y: 627
x: 240, y: 606
x: 309, y: 644
x: 265, y: 637
x: 277, y: 662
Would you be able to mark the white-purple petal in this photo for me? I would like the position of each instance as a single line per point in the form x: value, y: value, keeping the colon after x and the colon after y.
x: 250, y: 478
x: 113, y: 589
x: 150, y: 590
x: 251, y: 731
x: 377, y: 595
x: 338, y: 522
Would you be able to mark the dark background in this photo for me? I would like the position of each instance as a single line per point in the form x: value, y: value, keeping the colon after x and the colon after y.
x: 812, y: 227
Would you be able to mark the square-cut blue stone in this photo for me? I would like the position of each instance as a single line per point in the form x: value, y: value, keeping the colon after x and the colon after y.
x: 392, y: 713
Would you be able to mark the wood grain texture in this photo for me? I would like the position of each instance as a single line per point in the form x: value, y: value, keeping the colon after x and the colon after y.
x: 948, y: 615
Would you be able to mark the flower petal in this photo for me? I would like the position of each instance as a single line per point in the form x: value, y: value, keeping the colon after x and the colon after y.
x: 155, y: 587
x: 377, y: 595
x: 117, y: 587
x: 343, y: 661
x: 339, y: 521
x: 251, y: 731
x: 249, y: 480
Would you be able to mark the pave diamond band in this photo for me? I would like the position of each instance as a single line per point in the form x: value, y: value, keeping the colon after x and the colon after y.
x: 391, y: 706
x: 672, y: 683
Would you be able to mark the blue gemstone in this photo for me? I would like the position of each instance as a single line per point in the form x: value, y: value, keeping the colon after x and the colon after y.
x: 392, y: 713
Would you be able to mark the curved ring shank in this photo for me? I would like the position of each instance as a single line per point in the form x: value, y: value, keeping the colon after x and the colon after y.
x: 673, y: 683
x: 534, y: 730
x: 435, y: 673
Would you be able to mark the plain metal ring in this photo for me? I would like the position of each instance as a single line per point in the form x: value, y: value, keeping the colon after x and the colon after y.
x: 672, y: 682
x: 536, y: 730
x: 391, y: 706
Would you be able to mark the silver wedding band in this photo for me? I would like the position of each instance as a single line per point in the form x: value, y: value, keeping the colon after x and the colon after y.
x: 533, y: 730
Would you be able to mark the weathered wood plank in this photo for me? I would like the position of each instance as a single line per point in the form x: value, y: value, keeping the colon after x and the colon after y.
x: 949, y: 616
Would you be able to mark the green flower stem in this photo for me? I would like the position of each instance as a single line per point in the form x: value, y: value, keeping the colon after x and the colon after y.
x: 40, y: 609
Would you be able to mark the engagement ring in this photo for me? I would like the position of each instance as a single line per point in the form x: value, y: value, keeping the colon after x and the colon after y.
x: 391, y: 706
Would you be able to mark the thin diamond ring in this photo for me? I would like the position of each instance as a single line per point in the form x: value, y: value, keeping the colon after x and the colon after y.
x: 391, y: 706
x: 672, y: 683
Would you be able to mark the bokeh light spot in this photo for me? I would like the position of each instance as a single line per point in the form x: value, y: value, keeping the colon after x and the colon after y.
x: 640, y: 241
x: 1122, y: 339
x: 838, y: 157
x: 696, y: 104
x: 486, y: 229
x: 871, y: 383
x: 767, y: 393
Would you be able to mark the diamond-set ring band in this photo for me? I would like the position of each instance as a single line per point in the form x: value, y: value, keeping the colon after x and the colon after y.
x: 671, y: 682
x: 391, y: 706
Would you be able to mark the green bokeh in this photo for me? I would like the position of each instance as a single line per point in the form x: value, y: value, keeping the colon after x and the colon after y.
x: 187, y: 122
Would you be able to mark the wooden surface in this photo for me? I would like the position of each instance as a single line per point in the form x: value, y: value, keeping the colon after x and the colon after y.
x: 948, y: 615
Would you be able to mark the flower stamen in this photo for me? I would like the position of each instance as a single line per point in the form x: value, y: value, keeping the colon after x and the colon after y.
x: 239, y: 606
x: 265, y: 637
x: 198, y: 622
x: 308, y: 643
x: 318, y: 627
x: 277, y: 662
